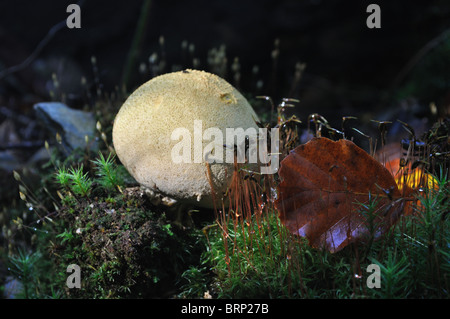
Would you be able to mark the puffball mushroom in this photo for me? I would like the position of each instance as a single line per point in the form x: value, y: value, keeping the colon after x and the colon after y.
x: 144, y: 139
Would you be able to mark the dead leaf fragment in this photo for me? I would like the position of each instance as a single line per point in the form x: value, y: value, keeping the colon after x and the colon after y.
x: 409, y: 181
x: 324, y: 186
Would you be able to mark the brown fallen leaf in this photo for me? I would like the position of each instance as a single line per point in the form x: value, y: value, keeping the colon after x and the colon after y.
x: 325, y: 185
x: 410, y: 181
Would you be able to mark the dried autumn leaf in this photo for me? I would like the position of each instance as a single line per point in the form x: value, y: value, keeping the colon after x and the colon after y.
x: 410, y: 180
x: 324, y: 186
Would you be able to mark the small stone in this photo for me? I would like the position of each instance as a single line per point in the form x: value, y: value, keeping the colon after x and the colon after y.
x: 72, y: 125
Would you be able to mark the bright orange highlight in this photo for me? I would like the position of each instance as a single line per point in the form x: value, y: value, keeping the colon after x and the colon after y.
x: 409, y: 181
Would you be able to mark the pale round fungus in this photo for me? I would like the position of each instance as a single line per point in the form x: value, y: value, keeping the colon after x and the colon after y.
x: 155, y: 139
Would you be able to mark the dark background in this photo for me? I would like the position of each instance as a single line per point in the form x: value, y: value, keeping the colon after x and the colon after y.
x: 351, y: 69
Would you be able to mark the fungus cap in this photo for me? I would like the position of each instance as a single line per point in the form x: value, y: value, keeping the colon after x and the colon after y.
x: 143, y: 127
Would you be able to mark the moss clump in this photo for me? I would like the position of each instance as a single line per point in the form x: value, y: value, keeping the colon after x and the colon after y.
x: 125, y: 246
x: 258, y: 258
x: 124, y: 249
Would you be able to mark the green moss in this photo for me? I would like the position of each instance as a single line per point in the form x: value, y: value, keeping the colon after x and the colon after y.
x: 123, y: 248
x: 257, y: 258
